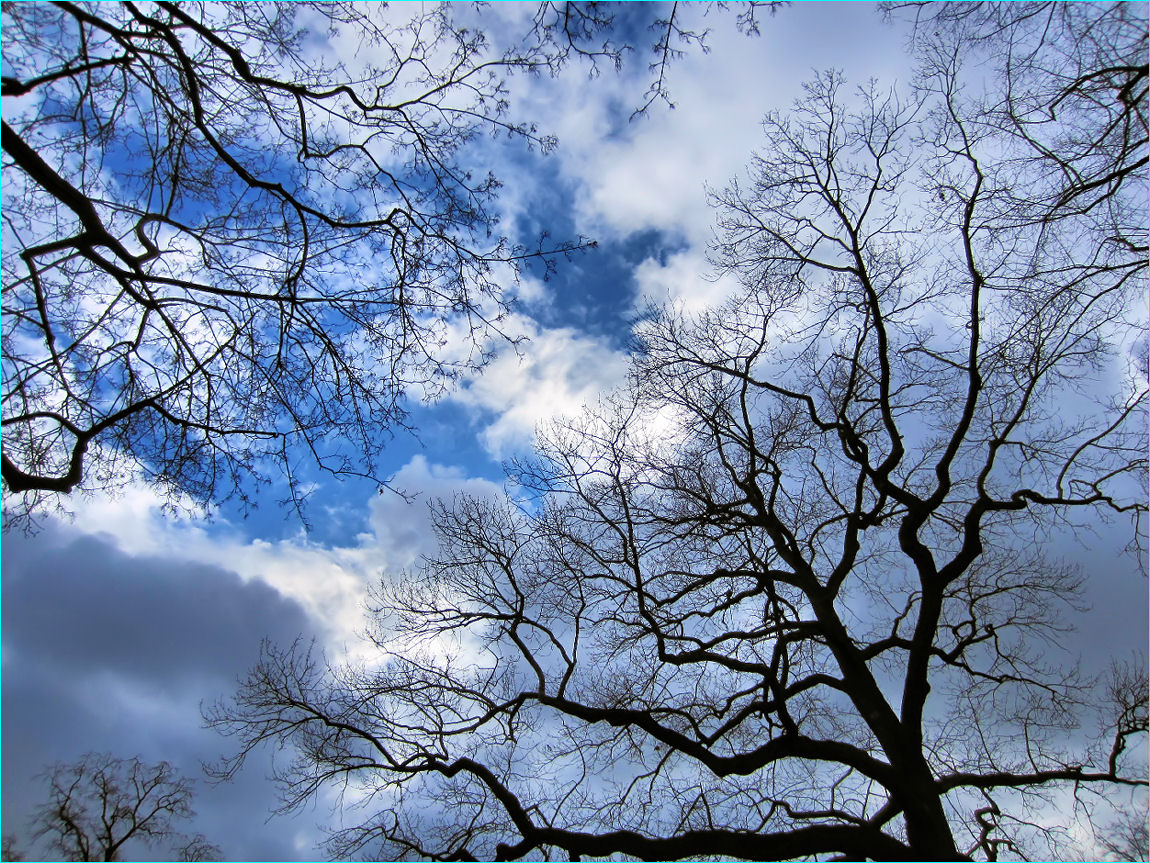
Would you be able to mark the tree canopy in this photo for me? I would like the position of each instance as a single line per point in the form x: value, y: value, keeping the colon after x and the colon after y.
x: 798, y: 590
x: 228, y: 256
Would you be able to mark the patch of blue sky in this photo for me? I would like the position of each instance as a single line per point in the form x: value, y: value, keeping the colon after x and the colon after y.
x: 596, y: 292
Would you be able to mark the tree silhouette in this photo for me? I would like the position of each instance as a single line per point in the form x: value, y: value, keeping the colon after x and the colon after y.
x: 1128, y: 837
x: 237, y: 238
x: 101, y: 805
x: 798, y: 589
x: 8, y: 849
x: 216, y: 251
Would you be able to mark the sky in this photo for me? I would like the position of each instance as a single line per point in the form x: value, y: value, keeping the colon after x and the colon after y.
x: 120, y: 622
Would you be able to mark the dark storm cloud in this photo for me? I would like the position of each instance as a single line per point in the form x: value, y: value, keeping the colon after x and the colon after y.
x: 112, y: 652
x: 87, y: 607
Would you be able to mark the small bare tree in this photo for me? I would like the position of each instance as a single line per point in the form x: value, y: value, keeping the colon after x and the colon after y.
x: 8, y: 849
x: 100, y: 805
x: 1128, y: 837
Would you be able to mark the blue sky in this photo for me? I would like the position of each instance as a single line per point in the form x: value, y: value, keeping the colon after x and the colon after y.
x: 88, y: 665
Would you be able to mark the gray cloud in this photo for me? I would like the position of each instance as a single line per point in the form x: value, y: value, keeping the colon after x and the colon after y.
x: 113, y: 652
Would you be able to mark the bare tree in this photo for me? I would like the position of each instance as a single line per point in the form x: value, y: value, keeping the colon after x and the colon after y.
x: 1073, y: 101
x: 237, y: 236
x: 217, y: 245
x: 100, y: 806
x: 196, y: 849
x: 8, y: 849
x: 799, y: 590
x: 1128, y: 837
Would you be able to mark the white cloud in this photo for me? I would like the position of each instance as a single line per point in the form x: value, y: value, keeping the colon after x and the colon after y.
x: 631, y: 176
x: 652, y: 172
x: 330, y: 583
x: 556, y: 373
x: 683, y: 282
x: 401, y: 528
